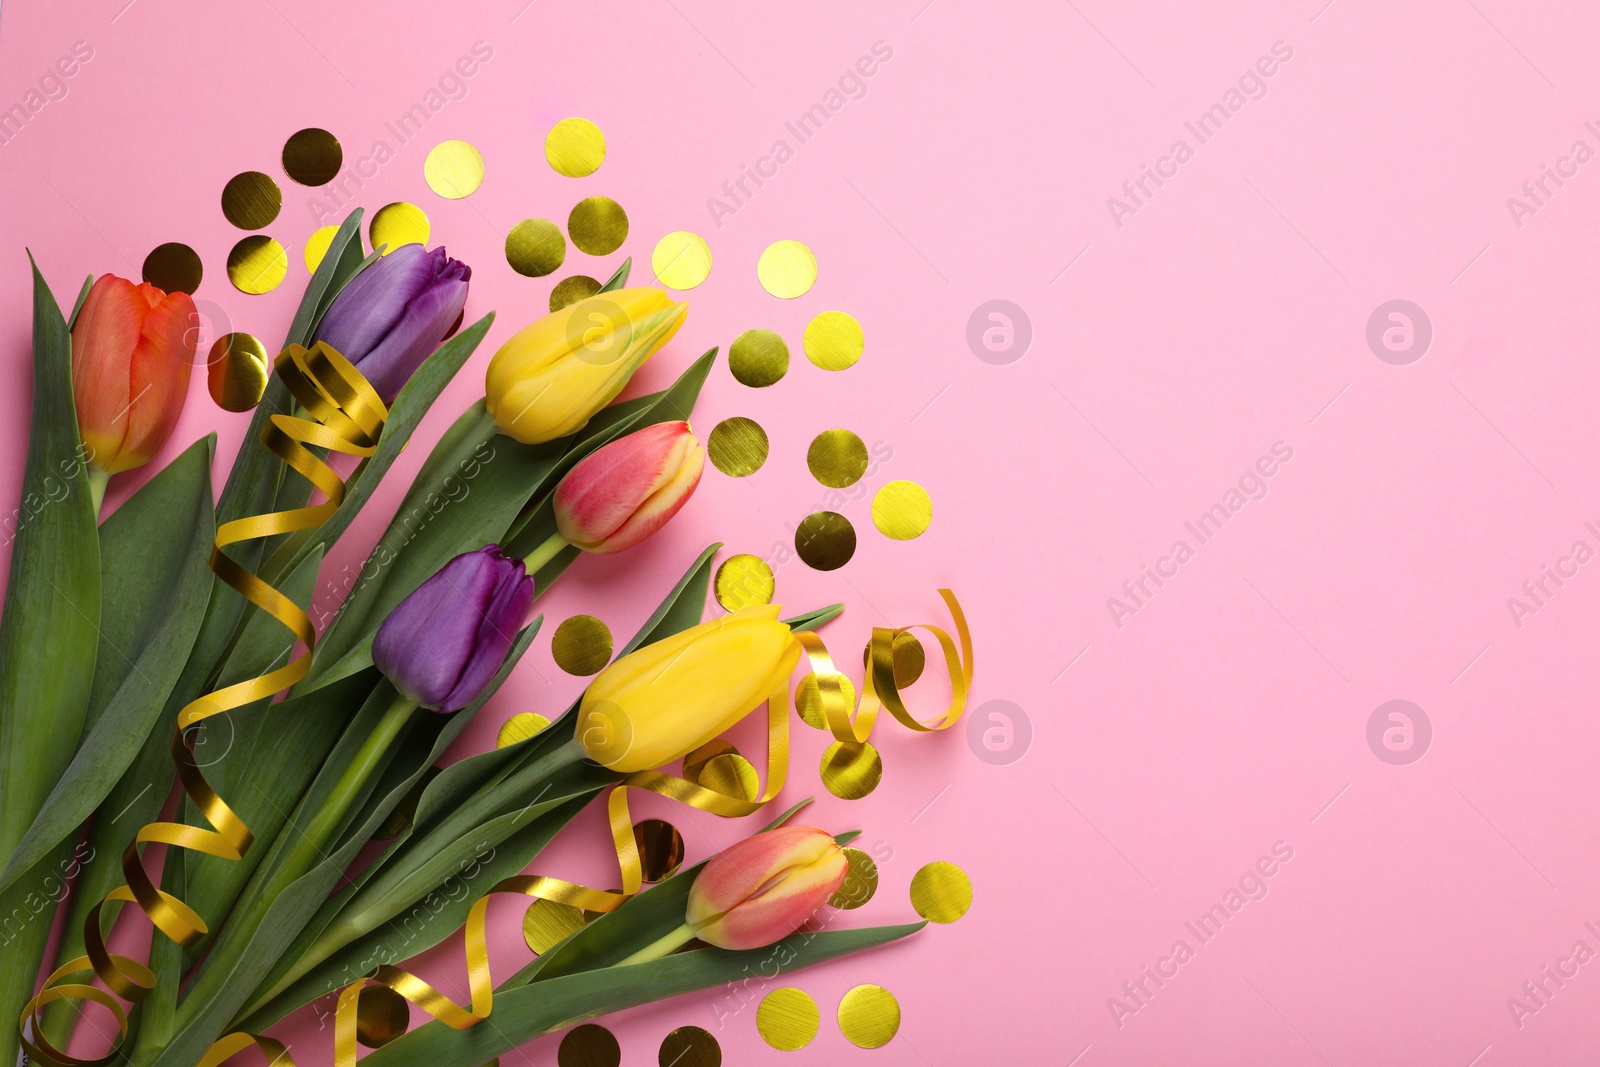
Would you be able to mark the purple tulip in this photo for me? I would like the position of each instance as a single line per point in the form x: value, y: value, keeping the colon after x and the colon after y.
x: 394, y: 314
x: 442, y: 644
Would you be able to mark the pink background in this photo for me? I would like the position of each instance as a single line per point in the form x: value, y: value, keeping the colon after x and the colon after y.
x: 1228, y: 313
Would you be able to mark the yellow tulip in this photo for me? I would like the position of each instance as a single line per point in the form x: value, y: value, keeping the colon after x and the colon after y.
x: 667, y: 699
x: 548, y: 380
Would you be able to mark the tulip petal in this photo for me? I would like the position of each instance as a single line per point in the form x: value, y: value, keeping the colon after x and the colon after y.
x: 428, y: 638
x: 158, y: 373
x: 368, y: 307
x: 661, y: 506
x: 497, y: 629
x: 764, y: 888
x: 107, y: 329
x: 601, y: 494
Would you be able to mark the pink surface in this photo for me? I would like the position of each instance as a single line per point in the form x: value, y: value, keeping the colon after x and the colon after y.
x: 1173, y: 345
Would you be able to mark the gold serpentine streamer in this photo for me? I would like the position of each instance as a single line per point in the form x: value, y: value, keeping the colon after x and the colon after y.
x: 350, y: 418
x: 879, y: 690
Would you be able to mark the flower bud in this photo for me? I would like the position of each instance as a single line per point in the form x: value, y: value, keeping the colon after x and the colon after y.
x: 765, y: 887
x: 625, y: 491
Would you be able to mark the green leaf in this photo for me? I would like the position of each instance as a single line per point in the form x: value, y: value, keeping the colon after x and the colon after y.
x: 620, y: 278
x: 812, y: 620
x: 83, y: 294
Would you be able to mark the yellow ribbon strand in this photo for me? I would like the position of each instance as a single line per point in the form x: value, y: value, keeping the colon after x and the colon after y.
x: 349, y: 418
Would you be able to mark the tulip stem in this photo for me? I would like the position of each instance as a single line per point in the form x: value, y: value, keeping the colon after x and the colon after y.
x: 98, y: 480
x: 355, y: 776
x: 545, y: 552
x: 665, y: 946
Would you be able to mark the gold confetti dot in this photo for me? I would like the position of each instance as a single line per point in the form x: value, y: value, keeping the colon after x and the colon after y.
x: 695, y: 761
x: 869, y: 1016
x: 257, y: 264
x: 454, y: 169
x: 825, y: 540
x: 589, y: 1045
x: 860, y: 881
x: 660, y: 849
x: 787, y: 269
x: 582, y: 645
x: 575, y: 147
x: 731, y: 775
x: 743, y: 580
x: 173, y: 267
x: 837, y: 458
x: 569, y: 291
x: 834, y: 341
x: 682, y: 260
x: 236, y: 371
x: 317, y: 247
x: 381, y: 1016
x: 788, y: 1019
x: 312, y: 156
x: 909, y: 659
x: 690, y: 1046
x: 808, y: 699
x: 737, y: 447
x: 758, y: 358
x: 535, y: 247
x: 251, y: 200
x: 397, y: 224
x: 902, y: 510
x: 598, y: 226
x: 520, y: 727
x: 547, y: 923
x: 941, y: 892
x: 851, y: 769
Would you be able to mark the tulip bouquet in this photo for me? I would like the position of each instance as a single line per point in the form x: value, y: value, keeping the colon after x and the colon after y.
x: 172, y: 639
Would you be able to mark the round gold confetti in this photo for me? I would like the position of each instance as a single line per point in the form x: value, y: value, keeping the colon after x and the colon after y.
x: 236, y: 371
x: 575, y: 147
x: 547, y: 923
x: 837, y: 458
x: 860, y: 881
x: 520, y: 727
x: 317, y: 247
x: 902, y: 510
x: 851, y: 769
x: 682, y: 260
x: 737, y: 447
x: 909, y: 659
x: 660, y: 849
x: 808, y: 699
x: 251, y: 200
x: 941, y: 892
x: 454, y: 169
x: 535, y: 247
x: 788, y: 1019
x: 173, y: 267
x: 397, y: 224
x: 825, y: 540
x: 598, y: 226
x: 787, y: 269
x: 869, y: 1016
x: 569, y: 291
x: 312, y: 156
x: 695, y: 761
x: 381, y: 1016
x: 690, y: 1046
x: 257, y: 264
x: 582, y: 645
x: 732, y: 775
x: 589, y: 1045
x: 833, y: 340
x: 758, y: 358
x: 743, y: 580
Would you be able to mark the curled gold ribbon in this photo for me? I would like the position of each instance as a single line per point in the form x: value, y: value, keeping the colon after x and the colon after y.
x: 349, y: 418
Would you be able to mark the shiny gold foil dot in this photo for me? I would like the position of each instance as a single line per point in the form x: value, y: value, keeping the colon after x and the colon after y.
x: 825, y: 540
x: 737, y: 447
x: 690, y: 1046
x: 731, y: 775
x: 909, y: 659
x: 860, y: 881
x: 173, y: 267
x: 575, y: 147
x: 851, y: 769
x: 317, y: 247
x: 788, y: 1019
x: 589, y: 1045
x: 660, y: 849
x: 695, y: 761
x: 869, y: 1016
x: 837, y: 458
x: 312, y: 156
x: 787, y: 269
x: 251, y: 200
x: 398, y: 224
x: 569, y: 291
x: 743, y: 580
x: 941, y: 892
x: 902, y: 510
x: 582, y: 645
x: 681, y: 260
x: 808, y: 700
x: 834, y: 341
x: 758, y: 358
x: 535, y: 247
x: 520, y: 727
x: 598, y: 226
x: 454, y: 169
x: 381, y: 1016
x: 257, y: 264
x: 547, y: 923
x: 237, y: 369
